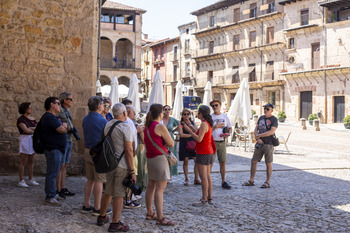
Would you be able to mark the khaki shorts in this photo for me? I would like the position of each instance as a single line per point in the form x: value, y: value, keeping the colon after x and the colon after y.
x: 266, y: 150
x: 114, y: 184
x: 90, y: 171
x: 220, y: 151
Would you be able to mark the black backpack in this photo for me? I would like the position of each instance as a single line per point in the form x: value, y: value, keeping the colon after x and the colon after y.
x: 38, y: 144
x: 103, y: 153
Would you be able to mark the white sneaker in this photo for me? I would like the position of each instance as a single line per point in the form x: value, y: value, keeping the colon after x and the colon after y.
x: 22, y: 184
x: 33, y: 182
x: 52, y: 201
x: 58, y: 198
x: 136, y: 197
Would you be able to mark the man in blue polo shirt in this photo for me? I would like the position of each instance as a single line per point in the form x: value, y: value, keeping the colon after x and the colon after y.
x: 93, y: 124
x: 54, y: 135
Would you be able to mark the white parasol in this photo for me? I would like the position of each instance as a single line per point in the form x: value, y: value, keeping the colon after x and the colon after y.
x: 157, y: 92
x: 208, y: 95
x: 133, y: 93
x: 178, y: 102
x: 114, y: 94
x: 98, y: 86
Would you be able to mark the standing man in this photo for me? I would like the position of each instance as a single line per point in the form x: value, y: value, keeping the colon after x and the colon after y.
x: 54, y: 136
x: 93, y: 124
x: 123, y: 141
x: 64, y: 115
x: 264, y: 130
x: 220, y: 121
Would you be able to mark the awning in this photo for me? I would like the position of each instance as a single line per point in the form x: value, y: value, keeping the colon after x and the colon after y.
x: 333, y: 3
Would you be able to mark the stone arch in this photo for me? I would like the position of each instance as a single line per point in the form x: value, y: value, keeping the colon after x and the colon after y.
x: 106, y: 52
x: 105, y: 80
x: 125, y: 57
x: 124, y: 80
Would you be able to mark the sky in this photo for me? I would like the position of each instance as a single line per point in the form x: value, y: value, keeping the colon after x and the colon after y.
x: 164, y: 16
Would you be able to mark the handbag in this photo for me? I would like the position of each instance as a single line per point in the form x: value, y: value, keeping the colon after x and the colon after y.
x: 191, y: 146
x: 274, y: 139
x: 172, y: 160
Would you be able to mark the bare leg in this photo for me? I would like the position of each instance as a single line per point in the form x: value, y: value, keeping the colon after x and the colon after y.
x: 117, y: 208
x: 98, y: 187
x: 185, y: 167
x: 151, y: 188
x: 89, y: 186
x: 158, y: 197
x: 210, y: 183
x: 30, y: 166
x: 21, y: 166
x: 195, y: 170
x: 204, y: 178
x: 268, y: 172
x: 63, y: 176
x: 106, y: 200
x: 253, y: 167
x: 222, y: 171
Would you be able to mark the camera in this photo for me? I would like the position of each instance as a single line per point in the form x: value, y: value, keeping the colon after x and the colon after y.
x: 129, y: 183
x: 74, y: 131
x: 257, y: 145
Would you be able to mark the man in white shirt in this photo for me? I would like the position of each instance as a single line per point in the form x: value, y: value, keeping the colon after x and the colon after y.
x: 222, y: 128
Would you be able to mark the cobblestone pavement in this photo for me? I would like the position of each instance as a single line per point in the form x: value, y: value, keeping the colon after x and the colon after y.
x: 309, y: 193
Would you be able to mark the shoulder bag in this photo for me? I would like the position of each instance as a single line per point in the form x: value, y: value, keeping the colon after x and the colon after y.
x: 274, y: 139
x: 172, y: 160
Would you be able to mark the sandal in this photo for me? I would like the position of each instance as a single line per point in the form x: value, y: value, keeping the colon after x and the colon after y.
x: 201, y: 203
x: 210, y: 201
x: 265, y: 185
x: 186, y: 183
x: 248, y: 183
x: 197, y: 182
x: 165, y: 222
x: 151, y: 216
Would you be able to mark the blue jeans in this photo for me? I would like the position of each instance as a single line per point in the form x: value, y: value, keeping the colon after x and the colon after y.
x: 67, y: 153
x: 53, y: 163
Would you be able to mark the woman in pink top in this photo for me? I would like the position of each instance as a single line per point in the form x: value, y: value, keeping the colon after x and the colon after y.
x: 157, y: 163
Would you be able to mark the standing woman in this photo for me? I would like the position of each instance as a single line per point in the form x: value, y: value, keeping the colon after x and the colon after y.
x: 157, y: 163
x: 184, y: 153
x: 26, y: 125
x: 170, y: 123
x: 205, y: 148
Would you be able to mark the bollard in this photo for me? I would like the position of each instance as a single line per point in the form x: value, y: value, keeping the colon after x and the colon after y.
x: 303, y: 123
x: 317, y: 124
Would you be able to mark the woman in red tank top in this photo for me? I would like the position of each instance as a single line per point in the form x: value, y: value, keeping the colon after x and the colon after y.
x: 205, y: 148
x: 157, y: 140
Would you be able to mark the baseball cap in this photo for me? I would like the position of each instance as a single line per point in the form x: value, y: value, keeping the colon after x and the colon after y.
x: 268, y: 105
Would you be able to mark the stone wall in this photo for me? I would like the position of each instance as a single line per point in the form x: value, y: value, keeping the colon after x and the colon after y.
x: 47, y: 47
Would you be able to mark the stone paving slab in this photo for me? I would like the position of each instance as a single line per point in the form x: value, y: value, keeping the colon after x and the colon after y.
x: 298, y: 201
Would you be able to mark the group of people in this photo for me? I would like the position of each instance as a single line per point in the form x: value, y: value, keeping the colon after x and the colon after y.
x: 142, y: 150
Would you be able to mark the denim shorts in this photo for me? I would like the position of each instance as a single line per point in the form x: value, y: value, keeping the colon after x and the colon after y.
x: 67, y: 154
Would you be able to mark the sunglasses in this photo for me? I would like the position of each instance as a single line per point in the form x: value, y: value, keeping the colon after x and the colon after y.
x: 58, y: 103
x: 107, y: 106
x: 167, y: 109
x: 214, y: 105
x: 70, y: 99
x: 185, y: 114
x: 267, y: 109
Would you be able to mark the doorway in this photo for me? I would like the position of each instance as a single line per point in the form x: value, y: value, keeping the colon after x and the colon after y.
x: 339, y: 109
x: 305, y: 104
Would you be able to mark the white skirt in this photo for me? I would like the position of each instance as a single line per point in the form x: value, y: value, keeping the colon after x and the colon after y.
x: 26, y: 144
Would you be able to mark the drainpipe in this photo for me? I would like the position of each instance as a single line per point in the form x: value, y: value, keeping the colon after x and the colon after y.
x: 261, y: 65
x: 325, y: 63
x: 99, y: 40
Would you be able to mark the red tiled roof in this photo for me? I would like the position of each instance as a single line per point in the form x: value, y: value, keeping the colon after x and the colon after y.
x: 119, y: 6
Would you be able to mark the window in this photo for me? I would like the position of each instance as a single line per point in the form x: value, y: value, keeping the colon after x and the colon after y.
x: 270, y: 72
x: 272, y: 97
x: 162, y: 53
x: 212, y: 21
x: 120, y: 19
x: 235, y: 76
x: 272, y: 7
x: 236, y: 15
x: 304, y: 17
x: 175, y: 52
x: 211, y: 47
x: 210, y: 76
x: 175, y: 73
x: 187, y: 46
x: 252, y: 39
x: 187, y: 30
x: 156, y: 54
x: 270, y: 35
x: 252, y: 75
x: 146, y: 72
x: 253, y: 11
x: 236, y: 42
x: 251, y: 99
x: 187, y: 69
x: 291, y: 43
x: 105, y: 18
x: 315, y: 55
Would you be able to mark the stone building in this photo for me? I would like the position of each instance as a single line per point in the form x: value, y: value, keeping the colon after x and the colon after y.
x: 172, y: 67
x: 241, y: 39
x: 188, y: 45
x: 317, y: 56
x: 47, y: 47
x: 121, y: 42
